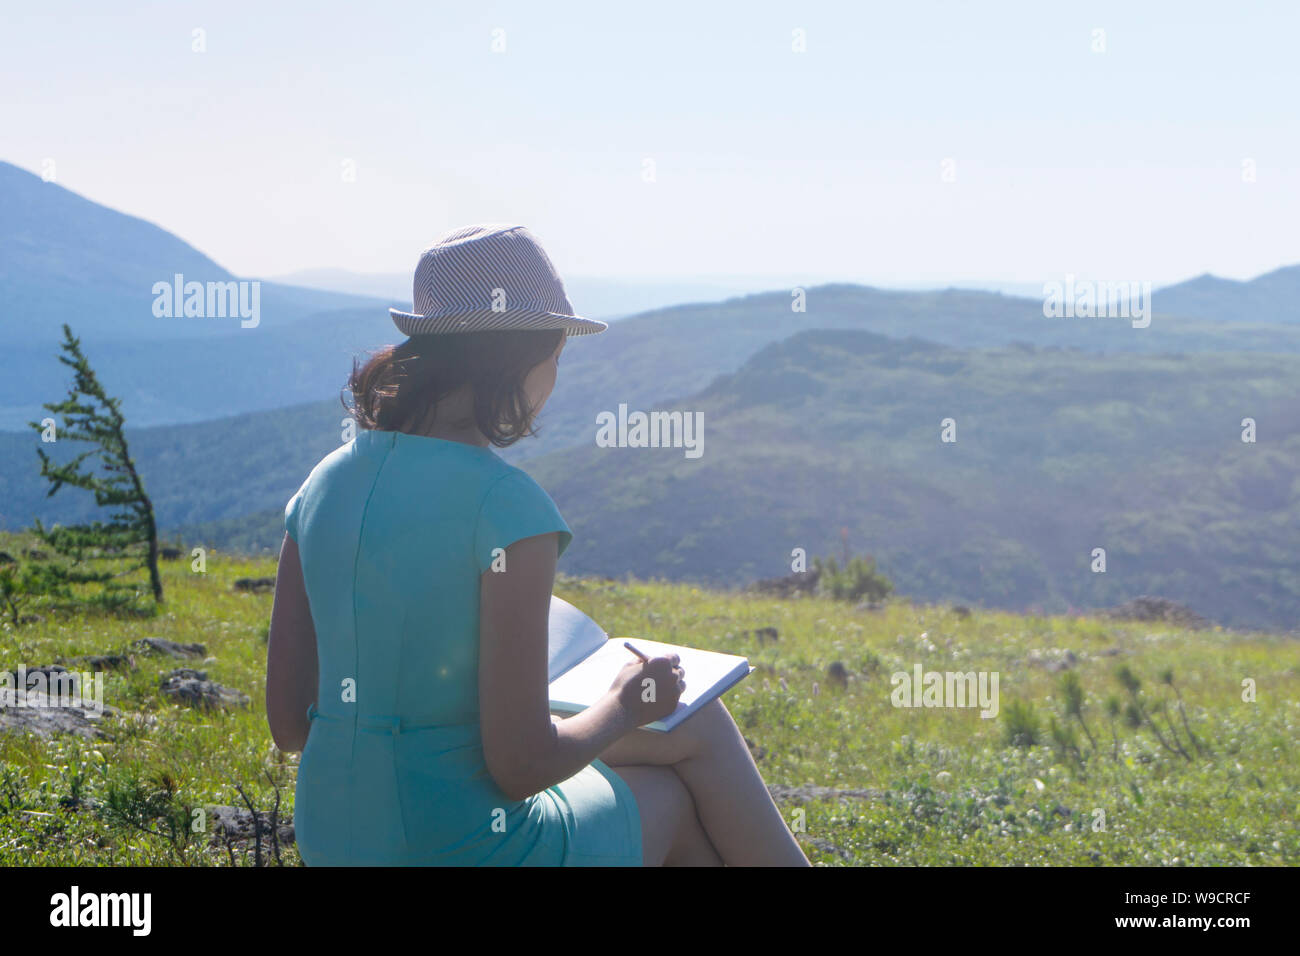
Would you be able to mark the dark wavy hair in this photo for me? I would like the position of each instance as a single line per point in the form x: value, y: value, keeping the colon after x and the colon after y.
x: 399, y: 384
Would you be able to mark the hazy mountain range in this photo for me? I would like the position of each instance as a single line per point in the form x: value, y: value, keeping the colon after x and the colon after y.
x: 608, y: 298
x: 65, y: 258
x: 1072, y: 433
x: 592, y: 296
x: 1056, y: 453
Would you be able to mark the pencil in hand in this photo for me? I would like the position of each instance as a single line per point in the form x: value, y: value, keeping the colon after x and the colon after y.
x: 628, y: 645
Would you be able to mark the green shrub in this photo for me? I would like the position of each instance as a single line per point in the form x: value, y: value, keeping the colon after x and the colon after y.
x: 1022, y: 726
x: 858, y: 580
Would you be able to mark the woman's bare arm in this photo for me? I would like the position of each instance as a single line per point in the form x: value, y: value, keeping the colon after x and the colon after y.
x: 291, y: 666
x: 525, y: 750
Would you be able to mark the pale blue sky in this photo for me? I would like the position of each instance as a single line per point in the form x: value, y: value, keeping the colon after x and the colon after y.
x: 1123, y: 164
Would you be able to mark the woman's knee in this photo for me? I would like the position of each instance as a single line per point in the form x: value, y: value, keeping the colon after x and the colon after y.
x: 703, y: 732
x: 710, y: 726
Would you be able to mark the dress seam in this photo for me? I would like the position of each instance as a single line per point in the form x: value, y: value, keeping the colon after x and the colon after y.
x: 356, y: 644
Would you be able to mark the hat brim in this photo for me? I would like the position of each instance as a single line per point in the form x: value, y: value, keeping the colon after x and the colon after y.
x: 409, y: 323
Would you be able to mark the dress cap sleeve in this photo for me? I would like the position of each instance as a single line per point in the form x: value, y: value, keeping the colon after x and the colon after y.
x: 515, y: 507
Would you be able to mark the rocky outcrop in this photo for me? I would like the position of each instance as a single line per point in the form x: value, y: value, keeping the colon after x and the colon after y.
x: 192, y: 687
x: 1150, y: 608
x: 792, y: 585
x: 159, y: 645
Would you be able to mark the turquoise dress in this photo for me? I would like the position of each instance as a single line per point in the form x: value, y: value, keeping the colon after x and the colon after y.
x: 394, y: 531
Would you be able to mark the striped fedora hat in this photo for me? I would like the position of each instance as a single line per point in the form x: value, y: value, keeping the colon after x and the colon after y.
x: 489, y: 276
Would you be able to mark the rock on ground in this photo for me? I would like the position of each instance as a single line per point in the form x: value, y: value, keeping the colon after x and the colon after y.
x: 35, y: 713
x: 800, y: 582
x: 255, y: 585
x: 159, y: 645
x: 780, y: 791
x: 192, y: 687
x: 1149, y: 608
x: 236, y: 824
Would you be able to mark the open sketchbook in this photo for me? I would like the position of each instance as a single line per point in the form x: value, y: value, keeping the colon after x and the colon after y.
x: 582, y: 662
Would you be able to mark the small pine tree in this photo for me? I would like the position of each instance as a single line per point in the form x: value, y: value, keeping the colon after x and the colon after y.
x: 91, y: 415
x: 23, y: 581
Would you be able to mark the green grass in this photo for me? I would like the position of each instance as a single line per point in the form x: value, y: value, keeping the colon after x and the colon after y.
x: 947, y: 787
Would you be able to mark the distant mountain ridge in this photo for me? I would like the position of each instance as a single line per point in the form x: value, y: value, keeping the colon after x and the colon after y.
x: 592, y: 296
x: 66, y: 258
x: 1272, y: 297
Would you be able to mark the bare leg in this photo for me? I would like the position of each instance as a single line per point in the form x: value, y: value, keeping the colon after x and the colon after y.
x: 709, y: 754
x: 671, y: 834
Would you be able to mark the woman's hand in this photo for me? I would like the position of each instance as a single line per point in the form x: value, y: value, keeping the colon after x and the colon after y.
x: 650, y: 691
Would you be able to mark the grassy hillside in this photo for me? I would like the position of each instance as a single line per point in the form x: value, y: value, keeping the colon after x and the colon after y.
x: 1056, y: 453
x: 877, y: 784
x: 1061, y: 451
